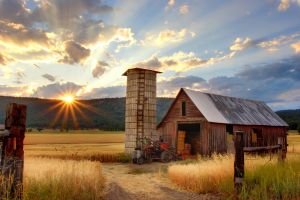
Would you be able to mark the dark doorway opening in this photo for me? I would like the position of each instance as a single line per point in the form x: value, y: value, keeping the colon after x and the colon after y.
x: 229, y: 128
x: 192, y: 136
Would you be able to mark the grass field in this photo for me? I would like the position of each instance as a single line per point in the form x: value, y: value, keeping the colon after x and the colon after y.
x: 264, y: 177
x: 76, y: 145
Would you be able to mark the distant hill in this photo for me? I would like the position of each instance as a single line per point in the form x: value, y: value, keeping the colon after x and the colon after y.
x: 105, y: 114
x: 292, y: 117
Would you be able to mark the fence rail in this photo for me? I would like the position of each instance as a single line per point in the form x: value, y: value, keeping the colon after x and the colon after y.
x: 239, y: 161
x: 265, y: 148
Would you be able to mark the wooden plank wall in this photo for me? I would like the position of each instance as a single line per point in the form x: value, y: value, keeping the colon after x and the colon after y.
x: 217, y: 138
x: 168, y: 129
x: 270, y: 134
x: 191, y: 109
x: 213, y: 136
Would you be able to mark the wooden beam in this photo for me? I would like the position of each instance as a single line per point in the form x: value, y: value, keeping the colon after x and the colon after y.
x: 265, y: 148
x: 239, y: 161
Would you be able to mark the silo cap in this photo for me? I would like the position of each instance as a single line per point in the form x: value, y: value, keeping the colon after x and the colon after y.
x: 139, y: 69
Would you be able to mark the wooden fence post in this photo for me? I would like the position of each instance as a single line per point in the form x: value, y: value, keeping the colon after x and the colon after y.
x: 12, y: 158
x: 238, y: 161
x: 281, y: 155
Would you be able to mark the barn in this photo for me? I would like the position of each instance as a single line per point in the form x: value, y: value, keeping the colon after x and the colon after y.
x: 200, y: 121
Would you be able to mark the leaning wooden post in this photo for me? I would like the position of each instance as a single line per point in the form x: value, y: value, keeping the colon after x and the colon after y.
x: 13, y: 152
x: 238, y: 161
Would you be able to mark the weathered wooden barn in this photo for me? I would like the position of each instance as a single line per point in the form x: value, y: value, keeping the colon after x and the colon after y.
x: 207, y: 118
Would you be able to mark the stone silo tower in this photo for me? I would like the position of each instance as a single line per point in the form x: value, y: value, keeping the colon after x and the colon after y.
x: 140, y: 117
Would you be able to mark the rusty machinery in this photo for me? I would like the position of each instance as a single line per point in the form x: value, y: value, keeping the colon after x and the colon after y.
x: 150, y: 150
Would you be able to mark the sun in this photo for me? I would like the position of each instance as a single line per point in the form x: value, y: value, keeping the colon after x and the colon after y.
x: 68, y: 99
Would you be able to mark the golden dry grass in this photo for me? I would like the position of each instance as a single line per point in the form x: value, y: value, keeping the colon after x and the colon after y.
x: 57, y: 179
x: 71, y: 138
x: 100, y: 147
x: 294, y: 144
x: 205, y: 175
x: 216, y: 174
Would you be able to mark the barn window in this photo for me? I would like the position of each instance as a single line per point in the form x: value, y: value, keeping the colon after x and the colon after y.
x: 183, y: 108
x: 256, y: 137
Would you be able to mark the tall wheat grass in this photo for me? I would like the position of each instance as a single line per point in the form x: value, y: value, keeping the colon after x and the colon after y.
x: 61, y: 179
x: 265, y: 179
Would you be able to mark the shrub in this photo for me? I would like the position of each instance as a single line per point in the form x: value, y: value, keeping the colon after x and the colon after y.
x: 124, y: 158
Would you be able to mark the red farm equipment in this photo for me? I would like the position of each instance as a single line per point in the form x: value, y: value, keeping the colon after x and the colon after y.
x: 150, y: 150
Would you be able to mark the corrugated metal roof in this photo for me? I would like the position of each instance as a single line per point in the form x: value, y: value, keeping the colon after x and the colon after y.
x: 231, y: 110
x: 206, y: 106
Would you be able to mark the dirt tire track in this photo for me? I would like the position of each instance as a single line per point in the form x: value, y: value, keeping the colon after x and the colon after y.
x: 124, y: 184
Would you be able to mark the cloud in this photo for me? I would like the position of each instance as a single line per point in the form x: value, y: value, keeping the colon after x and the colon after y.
x: 124, y: 37
x: 55, y: 90
x: 284, y: 5
x: 15, y: 10
x: 290, y: 96
x: 20, y: 35
x: 75, y: 53
x: 68, y: 14
x: 167, y: 36
x: 241, y: 44
x: 275, y: 83
x: 180, y: 62
x: 278, y: 41
x: 296, y: 47
x: 171, y: 2
x: 40, y: 30
x: 273, y: 44
x: 49, y: 77
x: 184, y: 9
x: 20, y: 74
x: 3, y: 59
x: 13, y: 90
x: 171, y: 86
x: 284, y: 68
x: 100, y: 68
x: 105, y: 92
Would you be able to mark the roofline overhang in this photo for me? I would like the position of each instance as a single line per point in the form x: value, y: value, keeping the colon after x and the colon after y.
x: 140, y: 69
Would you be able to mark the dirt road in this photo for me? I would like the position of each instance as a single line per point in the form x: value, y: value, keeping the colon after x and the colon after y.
x: 141, y: 182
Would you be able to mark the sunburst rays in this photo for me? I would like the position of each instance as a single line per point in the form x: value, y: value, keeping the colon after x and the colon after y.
x: 68, y: 110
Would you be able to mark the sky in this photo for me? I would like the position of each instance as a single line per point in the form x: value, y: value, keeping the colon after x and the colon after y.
x: 241, y: 48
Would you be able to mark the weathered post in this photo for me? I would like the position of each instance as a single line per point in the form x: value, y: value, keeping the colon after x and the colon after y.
x: 12, y: 157
x: 281, y: 154
x: 238, y: 161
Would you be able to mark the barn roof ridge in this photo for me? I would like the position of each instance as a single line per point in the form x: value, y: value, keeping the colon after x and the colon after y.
x: 215, y: 94
x: 231, y: 110
x: 234, y: 110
